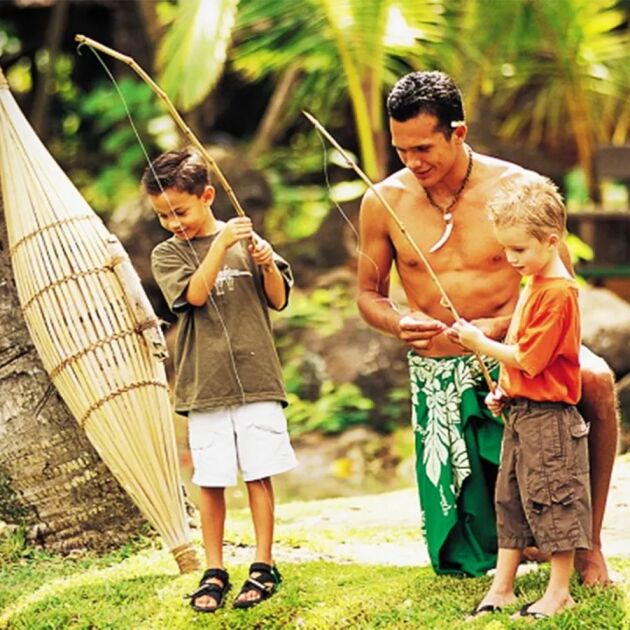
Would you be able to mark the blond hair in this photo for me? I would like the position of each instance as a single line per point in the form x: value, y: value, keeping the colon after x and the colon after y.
x: 535, y: 203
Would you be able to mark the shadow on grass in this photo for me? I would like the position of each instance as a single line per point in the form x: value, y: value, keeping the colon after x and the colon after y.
x: 317, y: 595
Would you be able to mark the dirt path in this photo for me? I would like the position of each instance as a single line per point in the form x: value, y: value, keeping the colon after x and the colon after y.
x: 396, y: 509
x: 399, y: 510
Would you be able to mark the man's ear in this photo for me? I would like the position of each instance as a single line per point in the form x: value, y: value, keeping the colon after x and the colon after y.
x: 208, y: 194
x: 460, y: 132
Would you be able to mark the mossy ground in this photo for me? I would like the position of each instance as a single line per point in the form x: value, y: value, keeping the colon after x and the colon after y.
x: 138, y: 586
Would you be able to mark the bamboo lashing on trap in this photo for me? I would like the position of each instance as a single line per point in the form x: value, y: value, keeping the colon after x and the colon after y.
x: 93, y: 327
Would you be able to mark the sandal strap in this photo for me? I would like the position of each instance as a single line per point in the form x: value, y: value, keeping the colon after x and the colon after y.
x: 259, y: 586
x: 212, y: 589
x: 268, y: 572
x: 209, y: 588
x: 218, y: 574
x: 252, y: 584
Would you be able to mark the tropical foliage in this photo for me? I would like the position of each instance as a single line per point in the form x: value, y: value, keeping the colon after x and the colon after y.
x: 556, y: 72
x: 351, y: 46
x: 193, y: 51
x: 551, y: 73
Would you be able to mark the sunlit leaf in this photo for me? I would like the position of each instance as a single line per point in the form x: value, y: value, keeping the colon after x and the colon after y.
x: 347, y: 191
x: 335, y: 157
x: 193, y: 52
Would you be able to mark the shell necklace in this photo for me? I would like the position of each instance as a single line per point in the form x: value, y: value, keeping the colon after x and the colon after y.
x: 447, y: 215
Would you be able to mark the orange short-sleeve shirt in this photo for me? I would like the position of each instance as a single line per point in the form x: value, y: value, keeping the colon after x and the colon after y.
x: 546, y: 331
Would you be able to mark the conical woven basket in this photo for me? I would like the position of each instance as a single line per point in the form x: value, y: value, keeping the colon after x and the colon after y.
x: 93, y: 326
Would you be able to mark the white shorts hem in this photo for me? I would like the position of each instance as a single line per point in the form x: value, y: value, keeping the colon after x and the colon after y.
x: 275, y: 468
x: 213, y: 482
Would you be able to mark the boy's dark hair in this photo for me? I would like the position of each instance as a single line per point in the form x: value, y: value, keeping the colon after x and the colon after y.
x: 185, y: 170
x: 433, y: 93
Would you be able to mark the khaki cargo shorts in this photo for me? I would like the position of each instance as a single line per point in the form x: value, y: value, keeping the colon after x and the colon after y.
x: 543, y: 491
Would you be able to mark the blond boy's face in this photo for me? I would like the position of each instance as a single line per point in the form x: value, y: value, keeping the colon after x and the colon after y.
x: 527, y: 254
x: 185, y: 215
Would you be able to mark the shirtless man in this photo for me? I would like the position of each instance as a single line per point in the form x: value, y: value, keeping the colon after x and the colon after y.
x: 441, y: 196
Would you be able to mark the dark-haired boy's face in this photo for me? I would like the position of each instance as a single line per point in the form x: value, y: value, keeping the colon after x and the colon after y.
x: 184, y: 214
x: 424, y: 149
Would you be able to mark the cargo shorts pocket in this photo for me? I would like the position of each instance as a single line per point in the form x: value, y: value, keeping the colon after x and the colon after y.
x: 269, y: 436
x: 538, y: 495
x: 579, y: 432
x: 201, y: 442
x: 543, y: 491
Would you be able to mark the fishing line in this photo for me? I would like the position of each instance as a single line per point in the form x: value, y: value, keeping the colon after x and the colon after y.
x: 162, y: 190
x: 192, y: 249
x: 358, y: 250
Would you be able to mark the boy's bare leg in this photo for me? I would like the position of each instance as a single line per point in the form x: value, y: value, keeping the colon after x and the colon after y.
x: 599, y: 407
x: 261, y: 505
x: 501, y: 591
x: 557, y: 596
x: 212, y: 511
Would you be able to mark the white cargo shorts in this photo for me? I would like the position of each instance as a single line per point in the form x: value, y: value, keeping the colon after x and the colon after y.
x: 252, y: 438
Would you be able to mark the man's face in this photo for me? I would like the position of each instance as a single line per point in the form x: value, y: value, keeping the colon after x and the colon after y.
x: 184, y: 214
x: 424, y: 150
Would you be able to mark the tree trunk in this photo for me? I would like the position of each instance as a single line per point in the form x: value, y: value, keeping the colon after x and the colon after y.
x: 270, y: 127
x: 51, y: 479
x: 54, y: 33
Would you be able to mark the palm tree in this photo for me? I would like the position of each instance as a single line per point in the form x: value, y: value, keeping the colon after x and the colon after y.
x: 557, y: 72
x: 353, y: 47
x: 314, y: 50
x: 193, y: 50
x: 52, y: 482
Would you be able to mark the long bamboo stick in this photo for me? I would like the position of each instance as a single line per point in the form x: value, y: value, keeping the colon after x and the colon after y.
x: 83, y: 40
x: 403, y: 229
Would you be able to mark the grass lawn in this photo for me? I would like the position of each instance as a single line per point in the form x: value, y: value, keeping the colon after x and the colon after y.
x: 138, y: 586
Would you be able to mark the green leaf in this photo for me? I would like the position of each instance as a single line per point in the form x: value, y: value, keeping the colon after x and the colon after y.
x: 347, y: 191
x: 193, y: 52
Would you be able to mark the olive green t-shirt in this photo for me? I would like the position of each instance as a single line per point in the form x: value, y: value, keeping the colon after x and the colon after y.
x: 224, y: 353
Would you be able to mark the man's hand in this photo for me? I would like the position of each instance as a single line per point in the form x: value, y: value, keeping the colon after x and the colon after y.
x: 236, y: 229
x: 261, y: 252
x: 496, y: 401
x: 418, y: 331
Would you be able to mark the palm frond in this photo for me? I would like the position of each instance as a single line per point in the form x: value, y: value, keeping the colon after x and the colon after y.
x: 193, y: 52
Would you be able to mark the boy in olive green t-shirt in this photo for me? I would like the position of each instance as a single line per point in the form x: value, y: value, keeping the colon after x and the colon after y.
x: 219, y: 278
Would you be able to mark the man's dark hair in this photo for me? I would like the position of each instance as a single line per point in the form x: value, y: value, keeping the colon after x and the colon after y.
x: 185, y: 170
x: 433, y: 93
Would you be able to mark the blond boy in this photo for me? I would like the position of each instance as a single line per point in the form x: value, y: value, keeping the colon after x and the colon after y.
x: 542, y: 494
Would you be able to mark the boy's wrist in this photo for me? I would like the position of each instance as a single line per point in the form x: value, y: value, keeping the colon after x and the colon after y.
x: 220, y: 242
x: 268, y: 267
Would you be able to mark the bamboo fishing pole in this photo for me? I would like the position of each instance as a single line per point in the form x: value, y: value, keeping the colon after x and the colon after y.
x: 446, y: 301
x: 83, y: 40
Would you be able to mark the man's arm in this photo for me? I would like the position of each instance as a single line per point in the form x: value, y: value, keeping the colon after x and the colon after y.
x: 376, y: 255
x: 493, y: 327
x: 374, y: 266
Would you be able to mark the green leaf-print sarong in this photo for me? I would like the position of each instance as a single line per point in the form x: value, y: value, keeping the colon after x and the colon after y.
x: 458, y: 444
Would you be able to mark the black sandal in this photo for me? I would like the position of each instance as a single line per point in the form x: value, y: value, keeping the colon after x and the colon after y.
x: 526, y: 612
x: 483, y: 610
x: 265, y: 584
x: 211, y: 589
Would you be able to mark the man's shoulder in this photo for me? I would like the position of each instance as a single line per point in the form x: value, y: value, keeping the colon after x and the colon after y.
x: 501, y: 171
x: 393, y: 186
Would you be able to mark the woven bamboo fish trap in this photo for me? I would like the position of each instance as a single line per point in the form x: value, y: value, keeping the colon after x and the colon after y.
x: 93, y: 327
